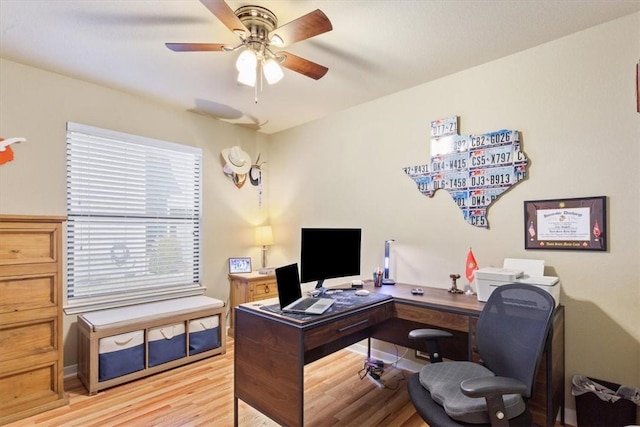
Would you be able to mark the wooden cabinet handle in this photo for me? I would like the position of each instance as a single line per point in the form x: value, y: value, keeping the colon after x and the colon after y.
x: 15, y: 251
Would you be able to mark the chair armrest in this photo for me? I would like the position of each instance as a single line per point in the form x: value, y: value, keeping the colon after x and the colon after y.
x: 493, y: 389
x: 430, y: 336
x: 487, y: 386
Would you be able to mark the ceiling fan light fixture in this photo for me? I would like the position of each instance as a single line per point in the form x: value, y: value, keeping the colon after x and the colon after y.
x: 247, y: 62
x: 247, y: 78
x: 272, y: 71
x: 276, y: 40
x: 258, y: 29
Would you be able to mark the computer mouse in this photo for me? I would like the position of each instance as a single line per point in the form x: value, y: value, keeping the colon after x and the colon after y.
x: 362, y: 292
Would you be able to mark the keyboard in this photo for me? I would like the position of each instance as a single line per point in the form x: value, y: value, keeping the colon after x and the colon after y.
x: 304, y: 304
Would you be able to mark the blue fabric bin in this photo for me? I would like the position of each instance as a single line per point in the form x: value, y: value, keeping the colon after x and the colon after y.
x: 204, y: 334
x: 167, y: 343
x: 120, y: 355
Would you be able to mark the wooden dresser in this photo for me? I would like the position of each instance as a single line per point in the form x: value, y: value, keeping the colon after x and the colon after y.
x: 248, y: 287
x: 31, y: 350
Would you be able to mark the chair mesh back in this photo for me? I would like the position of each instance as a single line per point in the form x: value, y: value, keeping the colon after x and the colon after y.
x: 512, y: 330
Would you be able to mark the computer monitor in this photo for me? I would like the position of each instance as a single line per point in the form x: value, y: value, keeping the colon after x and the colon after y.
x: 328, y: 253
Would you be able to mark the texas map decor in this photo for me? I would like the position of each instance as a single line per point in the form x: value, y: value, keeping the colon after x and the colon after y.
x: 475, y: 169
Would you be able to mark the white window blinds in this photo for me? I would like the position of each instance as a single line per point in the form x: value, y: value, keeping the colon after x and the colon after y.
x: 133, y: 230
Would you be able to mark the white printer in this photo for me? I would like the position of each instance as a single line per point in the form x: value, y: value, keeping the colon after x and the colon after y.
x: 530, y: 271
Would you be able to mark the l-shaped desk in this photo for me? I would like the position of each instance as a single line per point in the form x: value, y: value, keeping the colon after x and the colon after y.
x: 271, y: 349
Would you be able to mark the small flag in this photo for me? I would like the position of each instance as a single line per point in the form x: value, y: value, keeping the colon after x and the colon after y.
x: 471, y: 267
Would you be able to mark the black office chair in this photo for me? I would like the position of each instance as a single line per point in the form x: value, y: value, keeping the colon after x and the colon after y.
x: 510, y: 339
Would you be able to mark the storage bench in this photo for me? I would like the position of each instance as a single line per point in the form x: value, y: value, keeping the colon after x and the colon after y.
x: 123, y: 344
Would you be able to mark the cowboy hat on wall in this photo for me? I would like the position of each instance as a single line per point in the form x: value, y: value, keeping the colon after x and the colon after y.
x: 237, y: 165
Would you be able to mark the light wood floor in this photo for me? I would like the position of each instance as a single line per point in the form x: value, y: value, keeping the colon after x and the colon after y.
x: 201, y: 394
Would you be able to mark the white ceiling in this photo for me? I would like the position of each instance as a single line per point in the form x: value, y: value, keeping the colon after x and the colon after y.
x: 377, y: 47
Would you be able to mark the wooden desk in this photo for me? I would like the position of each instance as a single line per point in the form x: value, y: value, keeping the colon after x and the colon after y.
x: 271, y: 349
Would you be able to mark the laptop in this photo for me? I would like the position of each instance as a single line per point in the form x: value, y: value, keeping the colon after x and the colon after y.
x: 290, y: 293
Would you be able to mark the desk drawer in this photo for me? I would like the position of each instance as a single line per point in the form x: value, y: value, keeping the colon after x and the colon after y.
x: 344, y: 326
x: 436, y: 318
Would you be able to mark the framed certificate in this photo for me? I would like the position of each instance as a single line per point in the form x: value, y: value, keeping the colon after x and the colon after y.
x: 573, y: 224
x: 239, y: 265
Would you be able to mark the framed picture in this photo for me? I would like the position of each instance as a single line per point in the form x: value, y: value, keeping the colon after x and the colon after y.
x: 239, y: 265
x: 573, y: 224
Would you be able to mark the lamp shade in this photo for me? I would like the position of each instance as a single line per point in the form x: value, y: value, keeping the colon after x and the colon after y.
x: 272, y: 71
x: 264, y: 235
x: 247, y: 61
x: 247, y: 78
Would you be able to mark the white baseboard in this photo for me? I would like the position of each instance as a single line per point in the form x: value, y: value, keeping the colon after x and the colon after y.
x: 70, y: 371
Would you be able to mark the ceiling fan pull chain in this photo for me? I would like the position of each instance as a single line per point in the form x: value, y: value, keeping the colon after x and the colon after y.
x: 255, y: 93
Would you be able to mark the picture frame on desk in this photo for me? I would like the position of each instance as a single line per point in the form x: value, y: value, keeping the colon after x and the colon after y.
x: 566, y: 224
x: 239, y: 265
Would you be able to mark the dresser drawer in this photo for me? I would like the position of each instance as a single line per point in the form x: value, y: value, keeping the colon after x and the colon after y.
x: 30, y: 291
x: 23, y: 390
x: 263, y: 290
x: 347, y: 325
x: 21, y: 342
x: 22, y: 243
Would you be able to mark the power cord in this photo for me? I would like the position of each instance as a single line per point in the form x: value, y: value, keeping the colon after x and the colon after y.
x: 373, y: 369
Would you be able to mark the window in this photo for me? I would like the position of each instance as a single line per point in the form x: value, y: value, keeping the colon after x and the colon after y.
x: 133, y: 229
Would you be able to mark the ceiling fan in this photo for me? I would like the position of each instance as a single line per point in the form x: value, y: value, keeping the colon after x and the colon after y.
x: 259, y: 32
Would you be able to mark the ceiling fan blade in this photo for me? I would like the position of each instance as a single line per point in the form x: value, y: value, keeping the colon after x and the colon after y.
x: 305, y: 27
x: 195, y: 47
x: 225, y: 14
x: 302, y: 66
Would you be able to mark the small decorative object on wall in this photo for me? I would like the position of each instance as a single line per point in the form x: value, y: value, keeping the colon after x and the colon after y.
x: 6, y: 153
x: 638, y: 86
x: 577, y: 224
x: 239, y: 265
x: 475, y: 169
x: 237, y: 165
x: 255, y: 177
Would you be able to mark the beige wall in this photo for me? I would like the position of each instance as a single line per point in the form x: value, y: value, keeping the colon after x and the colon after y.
x: 36, y: 105
x: 573, y: 100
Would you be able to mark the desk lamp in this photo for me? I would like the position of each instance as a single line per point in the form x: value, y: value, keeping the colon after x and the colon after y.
x: 264, y: 238
x: 386, y: 280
